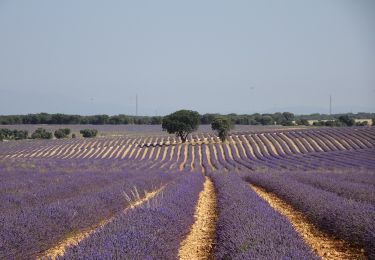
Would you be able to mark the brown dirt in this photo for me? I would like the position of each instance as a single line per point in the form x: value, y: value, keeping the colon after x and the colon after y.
x: 229, y: 149
x: 200, y: 241
x: 193, y: 159
x: 185, y: 156
x: 74, y: 239
x: 249, y: 146
x: 291, y: 141
x: 208, y: 154
x: 324, y: 245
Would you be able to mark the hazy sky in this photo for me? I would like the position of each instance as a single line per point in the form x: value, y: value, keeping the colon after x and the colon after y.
x: 89, y: 57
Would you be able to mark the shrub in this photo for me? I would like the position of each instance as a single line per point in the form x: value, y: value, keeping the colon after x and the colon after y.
x: 89, y: 133
x: 7, y: 134
x: 41, y: 133
x: 20, y: 134
x: 62, y: 133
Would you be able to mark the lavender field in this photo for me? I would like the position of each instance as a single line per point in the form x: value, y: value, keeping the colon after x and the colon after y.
x: 265, y: 193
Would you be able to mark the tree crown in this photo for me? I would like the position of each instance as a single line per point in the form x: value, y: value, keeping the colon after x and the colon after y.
x: 181, y: 123
x: 223, y: 126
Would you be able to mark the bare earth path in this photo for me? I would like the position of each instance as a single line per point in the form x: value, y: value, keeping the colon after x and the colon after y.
x: 74, y: 239
x: 199, y: 243
x: 323, y: 244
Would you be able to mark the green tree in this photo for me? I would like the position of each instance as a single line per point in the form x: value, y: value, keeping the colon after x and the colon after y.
x: 347, y: 120
x: 287, y: 119
x: 181, y: 123
x: 89, y: 132
x: 223, y: 126
x: 41, y: 133
x: 62, y: 133
x: 20, y: 134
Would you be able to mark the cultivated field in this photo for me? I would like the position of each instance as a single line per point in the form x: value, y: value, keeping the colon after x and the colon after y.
x: 267, y: 193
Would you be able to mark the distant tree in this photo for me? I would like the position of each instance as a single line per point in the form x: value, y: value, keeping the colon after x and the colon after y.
x: 181, y: 123
x: 266, y: 120
x: 208, y: 118
x: 73, y: 135
x: 156, y: 120
x: 114, y: 120
x: 99, y: 119
x: 222, y: 126
x: 5, y: 134
x: 364, y: 123
x: 347, y: 120
x: 20, y: 134
x: 287, y: 119
x: 302, y: 122
x: 62, y: 133
x: 89, y: 132
x: 41, y: 133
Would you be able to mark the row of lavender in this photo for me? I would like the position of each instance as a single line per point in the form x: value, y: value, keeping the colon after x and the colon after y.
x: 44, y: 201
x: 247, y: 227
x: 341, y: 203
x: 257, y: 146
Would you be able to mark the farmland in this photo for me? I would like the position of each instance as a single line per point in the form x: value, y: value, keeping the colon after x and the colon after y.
x: 265, y: 193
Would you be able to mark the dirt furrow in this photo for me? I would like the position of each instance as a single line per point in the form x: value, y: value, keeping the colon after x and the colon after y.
x: 324, y: 245
x: 200, y: 241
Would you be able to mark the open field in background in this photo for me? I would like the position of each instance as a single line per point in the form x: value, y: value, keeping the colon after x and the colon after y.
x: 266, y: 193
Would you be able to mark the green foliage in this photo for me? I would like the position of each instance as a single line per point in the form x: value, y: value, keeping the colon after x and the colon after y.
x: 181, y: 123
x: 73, y: 135
x: 223, y: 126
x: 89, y: 133
x: 347, y: 120
x: 208, y: 118
x: 41, y: 133
x: 7, y: 134
x: 285, y: 118
x: 156, y: 120
x: 62, y: 133
x: 302, y: 122
x: 331, y: 123
x: 20, y: 134
x: 364, y: 123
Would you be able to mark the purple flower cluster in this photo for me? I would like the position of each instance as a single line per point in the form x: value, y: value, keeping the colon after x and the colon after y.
x: 347, y: 219
x: 152, y: 231
x: 40, y: 206
x: 248, y: 228
x: 350, y: 189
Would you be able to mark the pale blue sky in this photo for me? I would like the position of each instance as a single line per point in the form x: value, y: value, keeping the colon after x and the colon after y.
x: 89, y: 57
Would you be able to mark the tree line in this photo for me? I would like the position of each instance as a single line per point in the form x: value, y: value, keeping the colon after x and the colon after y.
x: 285, y: 118
x: 41, y: 133
x: 64, y: 119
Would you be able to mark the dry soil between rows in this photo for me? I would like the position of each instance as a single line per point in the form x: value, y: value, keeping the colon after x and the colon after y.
x: 200, y: 241
x: 324, y: 245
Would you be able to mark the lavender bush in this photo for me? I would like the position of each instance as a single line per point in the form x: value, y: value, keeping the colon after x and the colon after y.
x: 152, y: 231
x: 248, y: 228
x: 341, y: 217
